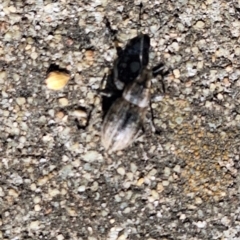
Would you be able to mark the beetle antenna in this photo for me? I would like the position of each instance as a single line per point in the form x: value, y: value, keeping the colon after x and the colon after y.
x: 140, y: 17
x: 141, y: 34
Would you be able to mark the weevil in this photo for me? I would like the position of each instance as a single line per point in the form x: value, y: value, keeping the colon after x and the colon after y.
x: 124, y: 119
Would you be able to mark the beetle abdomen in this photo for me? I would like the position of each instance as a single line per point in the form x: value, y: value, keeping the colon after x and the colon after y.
x: 121, y: 125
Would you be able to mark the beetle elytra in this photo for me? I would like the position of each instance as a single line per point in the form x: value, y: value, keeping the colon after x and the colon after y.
x: 124, y: 119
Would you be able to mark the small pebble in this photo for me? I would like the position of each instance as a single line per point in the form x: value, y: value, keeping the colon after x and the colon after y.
x: 220, y: 96
x: 92, y: 238
x: 12, y: 9
x: 179, y: 120
x: 200, y: 224
x: 42, y: 181
x: 198, y: 200
x: 89, y: 56
x: 79, y: 113
x: 121, y: 171
x: 95, y: 186
x: 199, y: 25
x: 226, y: 82
x: 12, y: 192
x: 8, y: 36
x: 37, y: 208
x: 59, y: 115
x: 34, y: 225
x: 154, y: 28
x: 63, y: 101
x: 21, y: 101
x: 53, y: 192
x: 60, y: 237
x: 155, y: 194
x: 82, y: 188
x: 92, y: 156
x: 140, y: 182
x: 3, y: 76
x: 225, y: 221
x: 174, y: 47
x: 177, y: 169
x: 208, y: 104
x: 57, y: 80
x: 123, y: 236
x: 229, y: 68
x: 165, y: 183
x: 133, y: 167
x: 76, y: 163
x: 237, y: 118
x: 237, y: 51
x: 167, y: 171
x: 2, y: 194
x: 176, y: 73
x: 34, y: 55
x: 37, y: 199
x: 71, y: 212
x: 182, y: 217
x: 22, y: 139
x: 160, y: 187
x: 33, y: 187
x: 66, y: 171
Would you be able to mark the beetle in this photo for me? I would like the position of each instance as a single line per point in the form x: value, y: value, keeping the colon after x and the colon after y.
x: 124, y: 119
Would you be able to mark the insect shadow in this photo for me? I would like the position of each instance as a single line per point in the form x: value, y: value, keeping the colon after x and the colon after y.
x: 55, y: 68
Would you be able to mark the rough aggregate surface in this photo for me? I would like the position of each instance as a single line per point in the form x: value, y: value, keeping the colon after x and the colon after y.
x: 56, y: 180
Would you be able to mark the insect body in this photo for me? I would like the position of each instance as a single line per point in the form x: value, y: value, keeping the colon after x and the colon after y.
x: 125, y: 117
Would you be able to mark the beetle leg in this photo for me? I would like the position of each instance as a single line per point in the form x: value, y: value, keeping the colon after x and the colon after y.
x: 92, y: 120
x: 112, y: 32
x: 104, y: 92
x: 159, y: 69
x: 118, y: 84
x: 151, y: 121
x: 153, y: 128
x: 139, y: 135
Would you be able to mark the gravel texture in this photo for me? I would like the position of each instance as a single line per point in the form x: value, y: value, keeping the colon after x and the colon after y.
x: 56, y: 180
